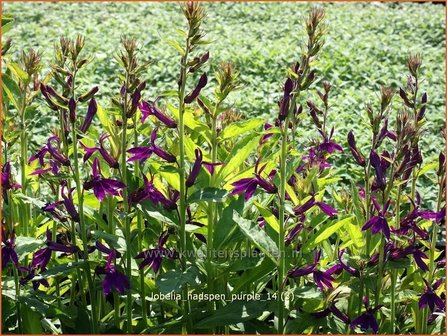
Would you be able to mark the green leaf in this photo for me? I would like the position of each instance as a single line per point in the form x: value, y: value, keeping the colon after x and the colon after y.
x: 233, y: 313
x: 12, y: 90
x: 169, y: 173
x: 62, y: 269
x: 240, y: 128
x: 326, y: 231
x: 174, y: 280
x: 253, y: 276
x: 245, y: 263
x: 6, y: 26
x: 427, y: 168
x: 292, y: 194
x: 150, y: 211
x: 268, y: 216
x: 15, y: 68
x: 258, y: 236
x: 213, y: 195
x: 103, y: 118
x: 358, y: 208
x: 30, y: 320
x: 355, y: 233
x: 191, y: 122
x: 176, y: 46
x: 240, y: 152
x: 26, y: 245
x: 226, y: 228
x: 117, y: 242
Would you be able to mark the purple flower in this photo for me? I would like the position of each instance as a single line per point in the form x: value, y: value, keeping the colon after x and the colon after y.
x: 108, y: 158
x: 52, y: 208
x: 314, y: 158
x: 248, y: 185
x: 113, y: 279
x: 430, y: 298
x: 149, y: 191
x: 351, y: 270
x: 44, y: 91
x: 384, y: 132
x: 376, y: 162
x: 195, y: 169
x: 54, y: 169
x: 40, y: 155
x: 102, y: 186
x: 154, y: 257
x: 89, y: 151
x: 210, y: 166
x: 148, y: 108
x: 328, y: 145
x: 301, y: 209
x: 41, y: 258
x: 396, y: 254
x: 335, y: 311
x: 367, y: 320
x: 142, y: 153
x: 408, y: 223
x: 191, y: 221
x: 68, y: 202
x: 72, y: 108
x: 284, y: 104
x: 106, y: 250
x: 195, y: 93
x: 8, y: 250
x: 322, y: 279
x: 30, y: 276
x: 379, y: 223
x: 438, y: 217
x: 91, y: 111
x: 111, y: 161
x: 294, y: 231
x: 266, y: 136
x: 7, y: 180
x: 314, y: 112
x: 356, y: 153
x: 54, y: 152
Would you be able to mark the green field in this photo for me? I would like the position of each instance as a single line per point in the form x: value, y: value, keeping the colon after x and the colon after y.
x: 366, y: 47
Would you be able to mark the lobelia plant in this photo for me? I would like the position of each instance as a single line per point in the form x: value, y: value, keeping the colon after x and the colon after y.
x: 173, y: 213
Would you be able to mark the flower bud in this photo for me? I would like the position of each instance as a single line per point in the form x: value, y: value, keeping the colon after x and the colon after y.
x: 88, y: 95
x: 356, y: 153
x: 72, y: 108
x: 195, y: 93
x: 91, y: 111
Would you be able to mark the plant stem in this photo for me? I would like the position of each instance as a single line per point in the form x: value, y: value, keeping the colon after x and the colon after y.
x: 116, y: 309
x: 126, y: 220
x: 394, y: 271
x: 182, y: 210
x: 281, y: 243
x: 83, y: 230
x: 140, y: 230
x: 24, y: 159
x: 17, y: 285
x: 212, y: 210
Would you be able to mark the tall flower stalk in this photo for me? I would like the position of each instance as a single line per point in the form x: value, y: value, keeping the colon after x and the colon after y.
x: 194, y: 14
x: 130, y: 97
x: 75, y: 48
x: 300, y: 78
x: 31, y: 67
